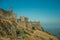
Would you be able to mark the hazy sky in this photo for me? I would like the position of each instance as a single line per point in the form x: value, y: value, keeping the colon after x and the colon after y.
x: 45, y: 11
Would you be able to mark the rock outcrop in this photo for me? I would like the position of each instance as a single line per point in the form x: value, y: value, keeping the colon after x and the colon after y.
x: 12, y: 28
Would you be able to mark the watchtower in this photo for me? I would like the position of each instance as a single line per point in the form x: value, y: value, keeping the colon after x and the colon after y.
x: 10, y: 10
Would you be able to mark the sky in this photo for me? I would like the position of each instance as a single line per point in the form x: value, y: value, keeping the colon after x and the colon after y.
x: 45, y: 11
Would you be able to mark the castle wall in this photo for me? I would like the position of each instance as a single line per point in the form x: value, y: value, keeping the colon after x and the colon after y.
x: 23, y: 22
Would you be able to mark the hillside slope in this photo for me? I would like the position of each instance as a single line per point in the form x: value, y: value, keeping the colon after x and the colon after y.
x: 13, y: 29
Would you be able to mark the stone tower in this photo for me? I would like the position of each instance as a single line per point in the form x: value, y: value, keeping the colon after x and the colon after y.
x: 23, y: 19
x: 11, y: 10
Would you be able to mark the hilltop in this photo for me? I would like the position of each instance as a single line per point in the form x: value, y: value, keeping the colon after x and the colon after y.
x: 12, y: 28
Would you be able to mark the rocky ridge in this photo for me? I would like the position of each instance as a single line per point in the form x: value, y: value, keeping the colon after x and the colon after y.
x: 12, y: 28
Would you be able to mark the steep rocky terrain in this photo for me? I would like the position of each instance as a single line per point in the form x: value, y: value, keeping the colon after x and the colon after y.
x: 13, y: 29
